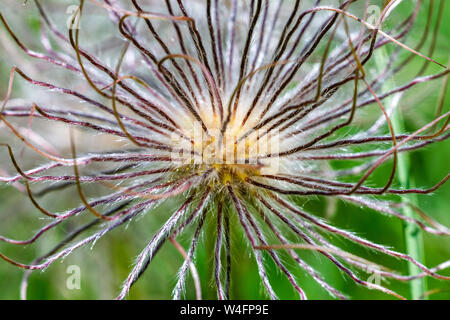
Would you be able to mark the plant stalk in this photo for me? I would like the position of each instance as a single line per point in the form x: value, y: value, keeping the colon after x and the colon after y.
x: 412, y: 234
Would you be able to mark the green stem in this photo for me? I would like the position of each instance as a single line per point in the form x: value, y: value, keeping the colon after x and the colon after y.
x: 412, y: 233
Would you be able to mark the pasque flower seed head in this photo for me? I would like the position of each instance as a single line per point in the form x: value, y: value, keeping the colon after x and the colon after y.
x: 235, y: 111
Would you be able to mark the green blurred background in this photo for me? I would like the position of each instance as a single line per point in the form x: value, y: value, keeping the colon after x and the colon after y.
x: 106, y: 265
